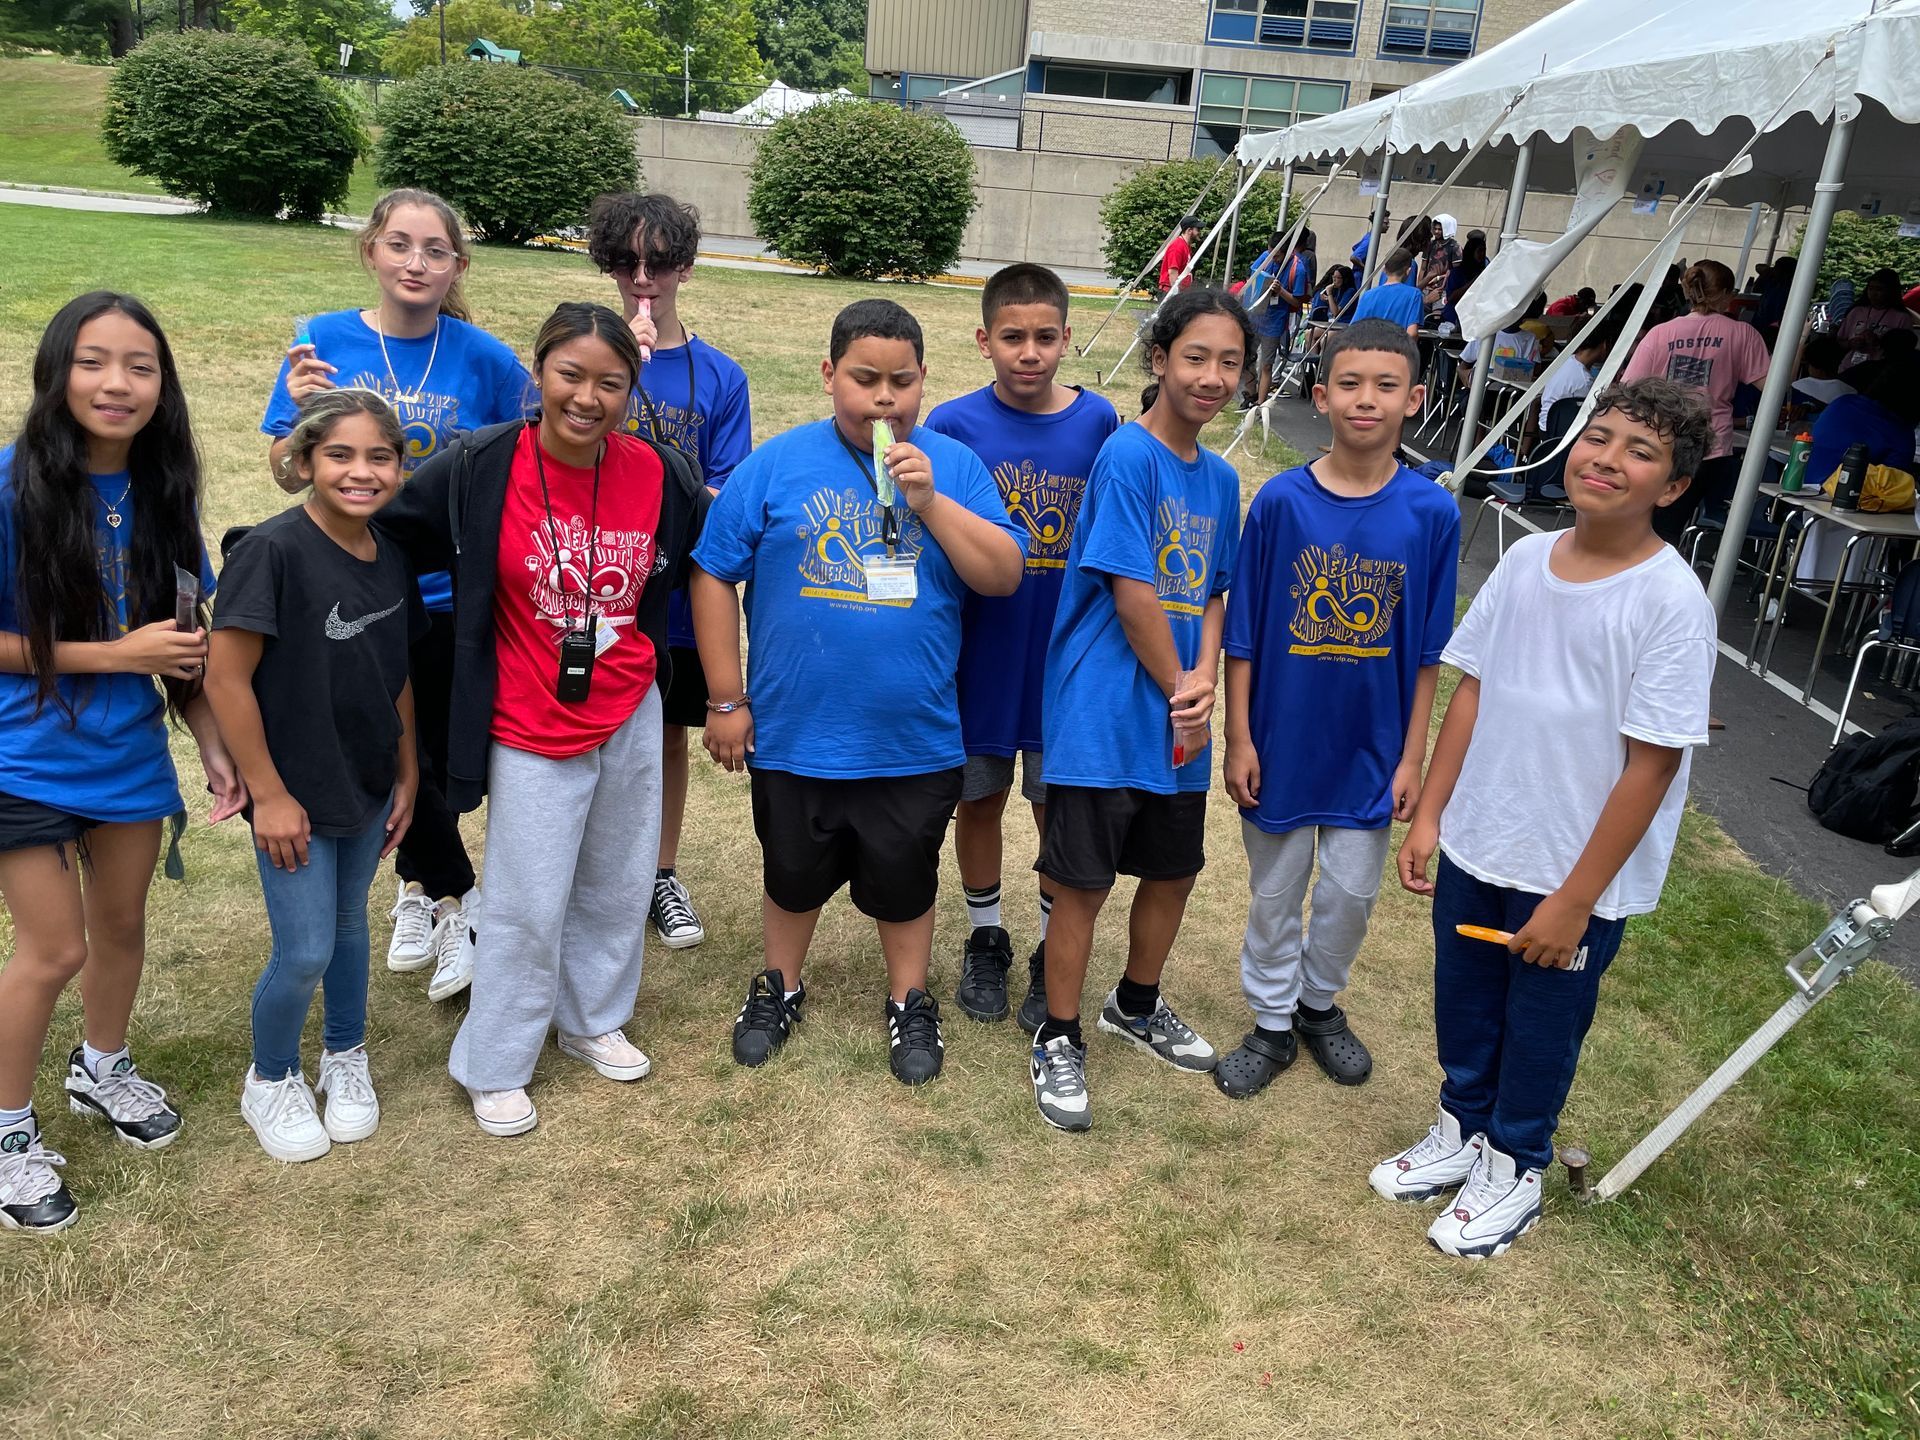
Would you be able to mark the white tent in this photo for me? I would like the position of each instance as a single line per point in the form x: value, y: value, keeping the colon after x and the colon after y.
x: 777, y: 100
x: 1809, y: 83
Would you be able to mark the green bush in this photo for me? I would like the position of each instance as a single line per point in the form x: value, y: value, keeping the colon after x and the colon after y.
x: 517, y: 151
x: 245, y: 125
x: 1857, y: 246
x: 1141, y: 211
x: 863, y: 189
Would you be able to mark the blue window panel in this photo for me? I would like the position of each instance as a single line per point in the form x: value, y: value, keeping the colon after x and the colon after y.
x: 1337, y: 34
x: 1283, y: 29
x: 1453, y: 44
x: 1242, y: 29
x: 1404, y: 37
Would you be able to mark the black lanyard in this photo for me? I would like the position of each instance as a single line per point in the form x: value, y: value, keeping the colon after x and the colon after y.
x: 553, y: 533
x: 693, y: 400
x: 889, y: 521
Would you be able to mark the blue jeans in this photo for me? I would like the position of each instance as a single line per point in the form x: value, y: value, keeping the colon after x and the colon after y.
x: 1509, y: 1033
x: 319, y: 918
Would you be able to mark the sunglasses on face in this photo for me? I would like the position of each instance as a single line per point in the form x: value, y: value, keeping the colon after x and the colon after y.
x: 626, y: 265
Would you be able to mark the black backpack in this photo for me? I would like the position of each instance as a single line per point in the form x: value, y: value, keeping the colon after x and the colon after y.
x: 1869, y: 787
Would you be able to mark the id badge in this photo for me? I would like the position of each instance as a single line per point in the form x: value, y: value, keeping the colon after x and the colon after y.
x: 893, y: 578
x: 604, y: 635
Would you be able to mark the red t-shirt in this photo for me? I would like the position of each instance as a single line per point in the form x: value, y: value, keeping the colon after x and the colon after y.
x: 1565, y: 305
x: 538, y: 594
x: 1178, y: 254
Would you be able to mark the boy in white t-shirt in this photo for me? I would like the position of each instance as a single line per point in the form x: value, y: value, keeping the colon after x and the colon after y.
x: 1554, y: 797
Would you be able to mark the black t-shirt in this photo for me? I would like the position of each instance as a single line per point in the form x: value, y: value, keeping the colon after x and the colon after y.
x: 338, y: 632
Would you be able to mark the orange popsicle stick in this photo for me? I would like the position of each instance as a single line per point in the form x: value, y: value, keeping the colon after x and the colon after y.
x: 1481, y: 932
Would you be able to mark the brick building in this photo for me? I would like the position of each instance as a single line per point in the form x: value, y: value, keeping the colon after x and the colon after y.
x: 1161, y: 79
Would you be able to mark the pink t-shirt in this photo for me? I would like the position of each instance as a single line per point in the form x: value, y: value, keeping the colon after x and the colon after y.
x: 1710, y: 353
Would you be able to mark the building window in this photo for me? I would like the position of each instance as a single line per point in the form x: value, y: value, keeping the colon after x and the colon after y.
x: 1140, y: 87
x: 1440, y: 30
x: 1236, y: 105
x: 1291, y: 24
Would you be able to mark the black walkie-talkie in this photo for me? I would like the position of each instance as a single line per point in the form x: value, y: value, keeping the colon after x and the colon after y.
x: 576, y: 665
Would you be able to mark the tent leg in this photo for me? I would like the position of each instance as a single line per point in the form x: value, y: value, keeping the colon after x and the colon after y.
x: 1376, y: 247
x: 1746, y: 245
x: 1483, y: 362
x: 1286, y: 197
x: 1233, y: 242
x: 1779, y: 219
x: 1826, y: 196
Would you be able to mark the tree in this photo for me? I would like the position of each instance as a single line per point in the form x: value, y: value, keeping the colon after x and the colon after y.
x: 242, y: 124
x: 92, y: 29
x: 1858, y: 245
x: 814, y: 44
x: 416, y: 46
x: 1140, y: 212
x: 862, y: 189
x: 317, y: 26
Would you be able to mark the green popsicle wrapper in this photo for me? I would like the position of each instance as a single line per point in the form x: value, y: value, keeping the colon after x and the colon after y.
x: 882, y: 481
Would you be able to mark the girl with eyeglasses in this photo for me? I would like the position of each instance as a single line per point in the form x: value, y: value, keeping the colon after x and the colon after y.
x: 418, y: 348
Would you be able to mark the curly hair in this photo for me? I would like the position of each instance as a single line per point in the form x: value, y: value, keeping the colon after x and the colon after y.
x: 1678, y: 414
x: 673, y: 231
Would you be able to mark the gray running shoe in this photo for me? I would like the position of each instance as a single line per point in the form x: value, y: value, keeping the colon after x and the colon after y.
x: 1163, y: 1032
x: 1060, y: 1084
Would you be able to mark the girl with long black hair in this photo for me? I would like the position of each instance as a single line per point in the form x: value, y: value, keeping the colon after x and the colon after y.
x: 99, y: 519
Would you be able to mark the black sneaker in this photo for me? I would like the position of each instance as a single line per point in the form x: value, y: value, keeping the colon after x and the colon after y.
x: 983, y: 974
x: 767, y: 1019
x: 136, y: 1108
x: 1033, y: 1009
x: 915, y: 1049
x: 32, y: 1197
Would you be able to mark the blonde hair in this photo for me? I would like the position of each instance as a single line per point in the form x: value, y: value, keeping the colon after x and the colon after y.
x: 320, y: 413
x: 454, y: 302
x: 1706, y: 284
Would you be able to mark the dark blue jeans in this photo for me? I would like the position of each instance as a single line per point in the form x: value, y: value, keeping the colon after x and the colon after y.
x: 319, y: 917
x: 1509, y: 1033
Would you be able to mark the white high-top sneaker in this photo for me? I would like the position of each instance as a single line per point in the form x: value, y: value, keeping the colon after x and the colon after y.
x: 412, y: 944
x: 452, y: 946
x: 1498, y: 1204
x: 1425, y: 1171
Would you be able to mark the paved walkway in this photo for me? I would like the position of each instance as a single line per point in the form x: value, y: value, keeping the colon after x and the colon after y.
x: 55, y: 198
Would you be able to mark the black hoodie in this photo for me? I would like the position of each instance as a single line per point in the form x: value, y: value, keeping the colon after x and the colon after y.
x: 447, y: 517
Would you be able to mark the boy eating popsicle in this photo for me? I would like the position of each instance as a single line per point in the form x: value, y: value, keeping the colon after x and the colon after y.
x: 848, y: 719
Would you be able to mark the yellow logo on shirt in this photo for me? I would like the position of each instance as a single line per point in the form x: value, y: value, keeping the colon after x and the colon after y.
x: 1343, y: 604
x: 1183, y: 557
x: 424, y: 422
x: 1045, y: 505
x: 678, y: 427
x: 840, y: 534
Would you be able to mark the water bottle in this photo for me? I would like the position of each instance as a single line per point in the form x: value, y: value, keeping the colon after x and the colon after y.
x: 1853, y: 475
x: 1795, y: 474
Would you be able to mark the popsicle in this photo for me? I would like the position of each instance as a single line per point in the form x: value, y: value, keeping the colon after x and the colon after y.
x: 1482, y: 932
x: 646, y: 312
x: 882, y: 481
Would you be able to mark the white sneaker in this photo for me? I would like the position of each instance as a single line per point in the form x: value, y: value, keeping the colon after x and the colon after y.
x: 503, y: 1112
x: 412, y: 944
x: 353, y: 1110
x: 1498, y: 1204
x: 1426, y: 1171
x: 453, y: 944
x: 282, y: 1117
x: 612, y: 1054
x: 33, y: 1198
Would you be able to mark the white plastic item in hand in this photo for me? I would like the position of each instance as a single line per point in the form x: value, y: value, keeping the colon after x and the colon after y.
x: 646, y: 313
x: 882, y: 480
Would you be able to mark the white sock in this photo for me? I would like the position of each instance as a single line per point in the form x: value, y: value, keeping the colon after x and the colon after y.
x: 99, y: 1060
x: 1046, y: 912
x: 983, y: 905
x: 11, y: 1118
x: 792, y: 995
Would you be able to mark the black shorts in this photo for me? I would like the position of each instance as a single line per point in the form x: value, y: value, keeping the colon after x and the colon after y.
x: 27, y: 823
x: 880, y: 837
x: 684, y: 701
x: 1093, y: 835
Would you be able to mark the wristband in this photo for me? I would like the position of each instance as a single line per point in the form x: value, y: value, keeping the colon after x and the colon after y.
x: 727, y: 707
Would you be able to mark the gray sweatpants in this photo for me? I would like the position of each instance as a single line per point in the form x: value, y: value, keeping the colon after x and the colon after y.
x: 1283, y: 963
x: 571, y: 850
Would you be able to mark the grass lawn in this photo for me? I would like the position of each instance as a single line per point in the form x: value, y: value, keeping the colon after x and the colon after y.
x: 813, y: 1250
x: 50, y: 115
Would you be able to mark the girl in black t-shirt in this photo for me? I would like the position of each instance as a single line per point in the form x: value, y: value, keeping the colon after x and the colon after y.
x: 308, y: 676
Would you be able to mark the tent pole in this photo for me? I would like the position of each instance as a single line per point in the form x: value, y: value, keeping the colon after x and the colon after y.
x: 1233, y: 238
x: 1779, y: 218
x: 1378, y: 243
x: 1746, y: 245
x: 1286, y: 197
x: 1483, y: 362
x: 1826, y: 197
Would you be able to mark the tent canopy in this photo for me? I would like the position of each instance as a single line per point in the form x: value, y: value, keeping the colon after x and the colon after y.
x: 1695, y: 79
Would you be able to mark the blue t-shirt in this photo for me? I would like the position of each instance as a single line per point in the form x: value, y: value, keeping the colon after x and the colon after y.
x: 472, y: 381
x: 844, y: 687
x: 1857, y: 420
x: 111, y: 762
x: 693, y: 398
x: 1271, y: 317
x: 1401, y: 303
x: 1337, y: 603
x: 1040, y: 465
x: 1174, y: 524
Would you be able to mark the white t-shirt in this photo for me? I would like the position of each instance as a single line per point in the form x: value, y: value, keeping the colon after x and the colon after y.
x: 1568, y: 672
x: 1570, y: 382
x: 1515, y: 354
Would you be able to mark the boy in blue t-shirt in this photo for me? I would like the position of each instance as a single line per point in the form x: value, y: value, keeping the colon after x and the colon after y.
x: 1274, y: 295
x: 1130, y: 693
x: 693, y: 397
x: 1038, y: 439
x: 853, y: 614
x: 1396, y: 300
x: 1342, y: 602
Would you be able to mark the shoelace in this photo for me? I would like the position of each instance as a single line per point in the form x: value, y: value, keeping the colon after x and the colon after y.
x: 1169, y: 1024
x: 413, y: 921
x: 18, y: 1179
x: 1481, y: 1190
x: 290, y: 1100
x: 130, y: 1097
x: 674, y: 905
x: 1064, y: 1070
x: 918, y: 1027
x: 348, y: 1078
x: 766, y: 1008
x: 1432, y: 1146
x: 448, y: 939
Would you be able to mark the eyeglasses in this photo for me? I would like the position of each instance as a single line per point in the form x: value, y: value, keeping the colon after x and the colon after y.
x: 436, y: 258
x: 627, y: 265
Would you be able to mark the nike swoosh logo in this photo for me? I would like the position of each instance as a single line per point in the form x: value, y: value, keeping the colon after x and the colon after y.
x: 338, y: 629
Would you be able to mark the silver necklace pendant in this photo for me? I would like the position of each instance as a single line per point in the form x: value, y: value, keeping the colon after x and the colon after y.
x: 113, y: 518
